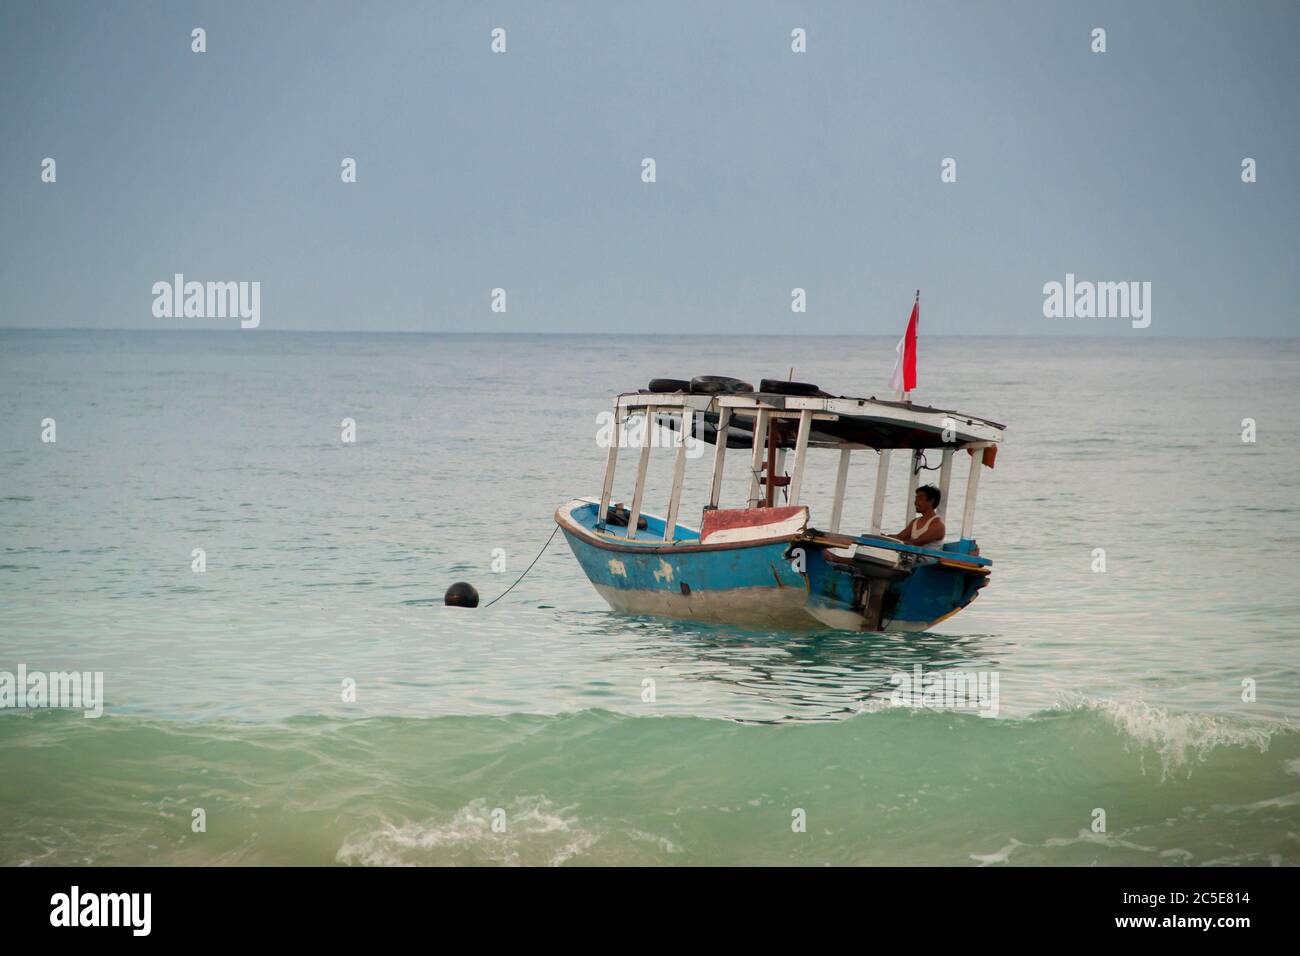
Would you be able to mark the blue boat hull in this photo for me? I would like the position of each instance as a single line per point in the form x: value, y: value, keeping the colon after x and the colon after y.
x: 788, y: 581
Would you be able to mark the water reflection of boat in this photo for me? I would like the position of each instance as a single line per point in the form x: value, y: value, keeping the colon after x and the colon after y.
x: 780, y: 676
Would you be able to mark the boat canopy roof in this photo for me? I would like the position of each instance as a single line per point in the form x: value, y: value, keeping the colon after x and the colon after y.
x: 837, y: 422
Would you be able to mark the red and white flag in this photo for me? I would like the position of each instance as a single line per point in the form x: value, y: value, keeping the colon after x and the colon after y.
x: 904, y: 377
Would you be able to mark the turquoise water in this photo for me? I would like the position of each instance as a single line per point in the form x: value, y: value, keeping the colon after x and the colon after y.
x: 326, y: 561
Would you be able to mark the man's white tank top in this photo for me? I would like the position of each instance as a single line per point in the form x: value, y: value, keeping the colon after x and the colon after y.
x: 915, y: 531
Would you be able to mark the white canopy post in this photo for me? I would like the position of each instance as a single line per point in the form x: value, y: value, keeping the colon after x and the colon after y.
x: 719, y: 456
x: 909, y: 506
x: 756, y: 459
x: 800, y: 454
x: 679, y: 472
x: 841, y: 483
x: 882, y: 479
x: 611, y: 460
x: 634, y: 512
x: 972, y: 489
x: 945, y: 482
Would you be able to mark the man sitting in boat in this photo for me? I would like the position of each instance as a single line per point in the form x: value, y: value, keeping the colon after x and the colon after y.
x: 927, y: 528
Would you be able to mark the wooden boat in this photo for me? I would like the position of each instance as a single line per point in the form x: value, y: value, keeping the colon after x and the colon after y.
x: 766, y: 564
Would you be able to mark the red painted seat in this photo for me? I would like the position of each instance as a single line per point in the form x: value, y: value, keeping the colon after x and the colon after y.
x: 740, y: 524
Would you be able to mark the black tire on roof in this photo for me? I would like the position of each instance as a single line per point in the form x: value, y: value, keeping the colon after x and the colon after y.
x: 659, y: 385
x: 719, y: 385
x: 777, y: 387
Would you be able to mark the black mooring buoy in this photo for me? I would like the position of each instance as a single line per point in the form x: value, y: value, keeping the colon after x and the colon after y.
x: 461, y: 594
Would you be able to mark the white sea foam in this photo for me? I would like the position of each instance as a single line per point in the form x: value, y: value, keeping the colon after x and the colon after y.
x: 537, y: 832
x: 1283, y: 802
x: 1001, y: 856
x: 1180, y: 739
x: 1107, y: 841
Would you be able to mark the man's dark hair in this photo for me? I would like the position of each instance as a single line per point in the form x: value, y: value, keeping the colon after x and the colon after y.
x: 931, y: 492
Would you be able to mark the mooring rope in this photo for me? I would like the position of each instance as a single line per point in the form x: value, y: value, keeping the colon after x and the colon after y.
x: 526, y: 570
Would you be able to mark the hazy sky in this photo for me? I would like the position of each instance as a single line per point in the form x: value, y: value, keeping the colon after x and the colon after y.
x: 775, y: 170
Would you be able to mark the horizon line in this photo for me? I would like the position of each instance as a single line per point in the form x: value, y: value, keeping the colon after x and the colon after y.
x: 603, y: 334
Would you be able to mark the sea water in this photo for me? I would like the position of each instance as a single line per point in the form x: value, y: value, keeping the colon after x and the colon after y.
x: 281, y: 684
